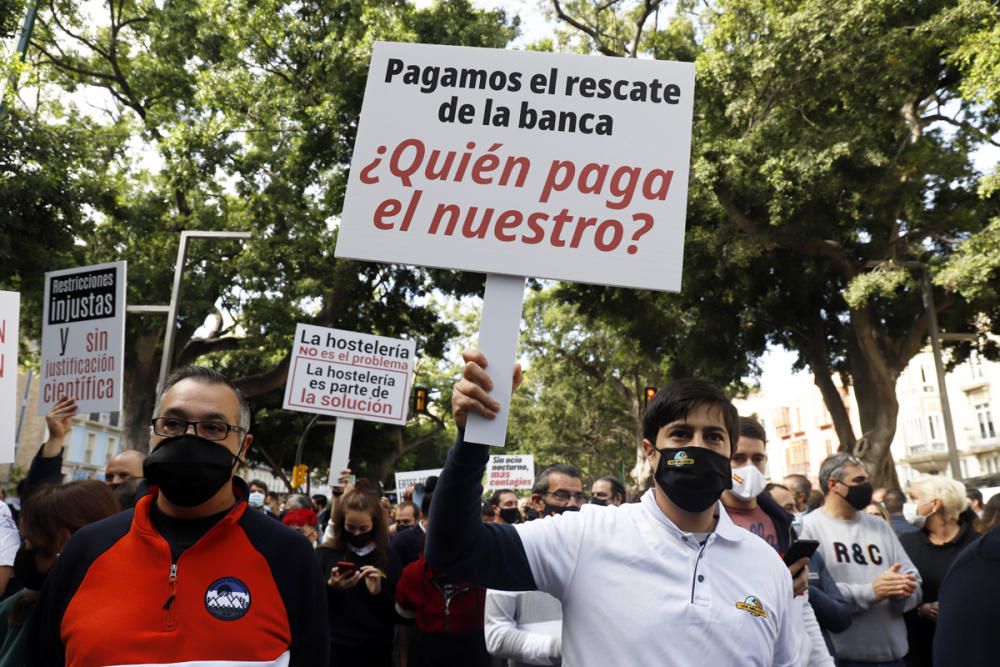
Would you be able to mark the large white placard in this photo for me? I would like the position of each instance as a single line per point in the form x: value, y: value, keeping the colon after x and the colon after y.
x: 510, y: 471
x: 522, y: 163
x: 404, y: 479
x: 350, y: 374
x: 10, y: 308
x: 83, y: 337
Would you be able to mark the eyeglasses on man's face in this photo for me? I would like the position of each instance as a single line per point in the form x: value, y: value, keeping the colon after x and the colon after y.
x: 169, y: 427
x: 565, y: 496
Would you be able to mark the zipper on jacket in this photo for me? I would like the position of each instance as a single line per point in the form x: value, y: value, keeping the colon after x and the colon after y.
x: 168, y: 606
x: 694, y: 577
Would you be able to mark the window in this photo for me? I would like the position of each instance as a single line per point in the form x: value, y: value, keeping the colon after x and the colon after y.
x: 797, y: 457
x: 984, y: 416
x: 112, y: 419
x: 975, y: 366
x: 935, y: 428
x: 88, y: 454
x: 964, y: 465
x: 94, y: 416
x: 112, y: 448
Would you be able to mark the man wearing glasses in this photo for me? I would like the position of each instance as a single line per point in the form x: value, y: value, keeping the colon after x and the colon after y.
x: 190, y: 575
x: 558, y: 489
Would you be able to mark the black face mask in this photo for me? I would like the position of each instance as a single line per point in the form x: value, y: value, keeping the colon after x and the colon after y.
x: 26, y: 569
x: 188, y: 469
x: 114, y: 485
x: 599, y: 501
x: 693, y: 477
x: 401, y: 528
x: 360, y: 540
x: 549, y: 510
x: 858, y: 497
x: 510, y: 515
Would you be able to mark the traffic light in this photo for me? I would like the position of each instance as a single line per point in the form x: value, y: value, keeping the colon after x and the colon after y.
x: 299, y: 473
x: 420, y: 399
x: 649, y: 393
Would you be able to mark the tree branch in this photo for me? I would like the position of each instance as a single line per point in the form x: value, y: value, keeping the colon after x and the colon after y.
x: 592, y: 32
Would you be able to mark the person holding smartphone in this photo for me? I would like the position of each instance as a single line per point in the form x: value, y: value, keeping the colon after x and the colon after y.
x: 361, y: 572
x: 751, y: 507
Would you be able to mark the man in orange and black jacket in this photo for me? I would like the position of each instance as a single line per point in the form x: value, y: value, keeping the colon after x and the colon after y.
x: 189, y: 575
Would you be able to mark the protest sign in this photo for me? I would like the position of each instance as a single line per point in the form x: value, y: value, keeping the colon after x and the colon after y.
x: 513, y: 471
x: 10, y: 308
x: 521, y: 164
x: 405, y: 479
x: 349, y: 374
x: 83, y: 337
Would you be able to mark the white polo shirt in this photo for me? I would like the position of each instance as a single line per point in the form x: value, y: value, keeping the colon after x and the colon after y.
x: 635, y: 589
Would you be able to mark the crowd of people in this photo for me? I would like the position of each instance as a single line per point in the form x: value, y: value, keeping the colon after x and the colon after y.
x: 174, y: 559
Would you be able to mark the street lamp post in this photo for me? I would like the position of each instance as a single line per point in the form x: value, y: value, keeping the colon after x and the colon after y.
x: 175, y: 295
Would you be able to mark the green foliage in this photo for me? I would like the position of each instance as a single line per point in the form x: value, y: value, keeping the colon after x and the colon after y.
x: 974, y: 269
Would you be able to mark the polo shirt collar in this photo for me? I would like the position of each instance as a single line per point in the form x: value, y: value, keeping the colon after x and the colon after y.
x: 724, y: 527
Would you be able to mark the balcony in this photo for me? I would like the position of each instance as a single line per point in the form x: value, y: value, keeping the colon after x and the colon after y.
x: 925, y: 461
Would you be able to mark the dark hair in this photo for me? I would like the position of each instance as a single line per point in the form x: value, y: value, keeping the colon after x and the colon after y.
x: 617, y: 488
x: 356, y: 500
x: 495, y: 498
x: 815, y: 500
x: 52, y: 509
x: 775, y: 485
x: 893, y: 501
x: 974, y: 494
x: 680, y: 398
x: 411, y: 504
x: 753, y: 429
x: 259, y: 483
x: 991, y: 515
x: 126, y: 492
x: 208, y: 376
x: 320, y: 500
x: 541, y: 486
x: 369, y: 486
x: 800, y: 484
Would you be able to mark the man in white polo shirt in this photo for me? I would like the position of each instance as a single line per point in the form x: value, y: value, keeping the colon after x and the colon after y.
x: 667, y: 581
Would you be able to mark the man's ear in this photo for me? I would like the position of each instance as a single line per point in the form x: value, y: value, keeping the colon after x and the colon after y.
x: 648, y: 448
x: 247, y: 441
x: 536, y: 500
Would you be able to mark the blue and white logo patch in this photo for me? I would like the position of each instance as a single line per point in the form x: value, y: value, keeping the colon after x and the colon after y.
x: 227, y: 599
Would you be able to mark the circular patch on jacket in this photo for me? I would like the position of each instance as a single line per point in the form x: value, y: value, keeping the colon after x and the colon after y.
x: 227, y: 599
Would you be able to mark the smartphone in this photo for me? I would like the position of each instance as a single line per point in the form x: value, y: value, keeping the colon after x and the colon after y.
x: 800, y: 549
x: 345, y: 568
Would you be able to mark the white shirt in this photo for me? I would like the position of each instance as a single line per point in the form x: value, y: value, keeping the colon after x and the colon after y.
x: 10, y: 538
x: 635, y: 589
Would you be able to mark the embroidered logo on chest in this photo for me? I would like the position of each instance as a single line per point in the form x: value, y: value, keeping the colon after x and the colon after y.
x: 753, y: 607
x: 227, y: 599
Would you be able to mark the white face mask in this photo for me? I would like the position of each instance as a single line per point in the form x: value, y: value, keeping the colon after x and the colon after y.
x: 748, y: 482
x: 255, y: 499
x: 911, y: 514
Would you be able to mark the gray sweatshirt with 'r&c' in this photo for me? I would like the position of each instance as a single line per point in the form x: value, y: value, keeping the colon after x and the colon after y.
x: 856, y: 553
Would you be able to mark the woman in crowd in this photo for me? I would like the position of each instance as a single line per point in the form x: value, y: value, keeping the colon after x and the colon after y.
x: 991, y: 515
x: 938, y: 508
x: 361, y: 573
x: 48, y: 519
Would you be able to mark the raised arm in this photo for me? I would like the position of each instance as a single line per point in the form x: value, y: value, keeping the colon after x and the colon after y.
x: 459, y: 544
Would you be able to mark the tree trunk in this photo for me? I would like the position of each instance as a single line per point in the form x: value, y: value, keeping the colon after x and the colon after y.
x: 139, y: 396
x: 878, y: 408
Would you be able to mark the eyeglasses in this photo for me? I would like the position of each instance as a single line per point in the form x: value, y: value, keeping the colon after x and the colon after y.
x: 210, y: 430
x: 566, y: 496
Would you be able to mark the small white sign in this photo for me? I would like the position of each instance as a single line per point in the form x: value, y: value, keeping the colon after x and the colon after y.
x: 405, y: 479
x: 10, y: 308
x: 522, y: 163
x: 350, y: 374
x: 511, y: 471
x: 83, y: 338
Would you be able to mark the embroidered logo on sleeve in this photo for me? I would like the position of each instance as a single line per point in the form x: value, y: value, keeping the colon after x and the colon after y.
x: 227, y: 599
x: 680, y: 459
x: 753, y: 607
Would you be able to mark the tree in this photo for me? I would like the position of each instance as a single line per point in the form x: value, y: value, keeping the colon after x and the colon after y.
x: 827, y: 162
x: 240, y: 116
